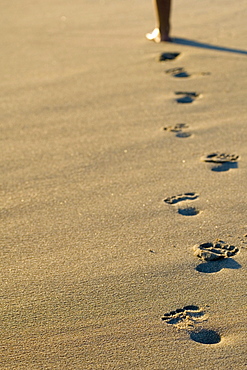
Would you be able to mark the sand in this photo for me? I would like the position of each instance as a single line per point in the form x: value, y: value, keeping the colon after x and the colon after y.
x: 91, y: 255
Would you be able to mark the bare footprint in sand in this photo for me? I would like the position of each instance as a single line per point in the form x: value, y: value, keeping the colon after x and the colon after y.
x: 187, y: 318
x: 183, y: 317
x: 181, y: 197
x: 180, y: 72
x: 179, y: 130
x: 224, y: 161
x: 167, y: 56
x: 187, y: 97
x: 215, y: 250
x: 216, y: 256
x: 220, y: 157
x: 184, y: 210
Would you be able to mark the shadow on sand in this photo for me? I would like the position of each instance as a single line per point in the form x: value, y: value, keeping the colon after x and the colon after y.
x: 222, y: 167
x: 196, y: 44
x: 215, y: 266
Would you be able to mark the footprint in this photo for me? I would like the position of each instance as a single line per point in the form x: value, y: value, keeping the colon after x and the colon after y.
x: 220, y: 158
x: 184, y: 318
x: 215, y: 250
x: 188, y: 97
x: 187, y: 318
x: 168, y: 56
x: 181, y: 197
x: 185, y: 210
x: 178, y: 129
x: 180, y: 72
x: 224, y: 161
x: 216, y: 256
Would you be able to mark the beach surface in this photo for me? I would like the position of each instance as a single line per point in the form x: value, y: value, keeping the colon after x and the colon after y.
x: 106, y: 186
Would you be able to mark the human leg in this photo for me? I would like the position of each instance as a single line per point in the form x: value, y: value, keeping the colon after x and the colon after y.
x: 162, y: 12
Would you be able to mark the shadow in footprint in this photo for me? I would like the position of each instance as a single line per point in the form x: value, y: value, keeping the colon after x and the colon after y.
x: 223, y: 167
x: 183, y: 135
x: 205, y: 336
x: 215, y: 266
x: 187, y: 98
x: 188, y: 211
x: 168, y: 56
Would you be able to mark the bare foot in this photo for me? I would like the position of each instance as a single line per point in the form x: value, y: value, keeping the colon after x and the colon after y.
x: 156, y: 36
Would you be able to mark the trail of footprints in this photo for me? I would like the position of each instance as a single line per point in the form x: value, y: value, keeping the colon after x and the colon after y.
x: 214, y: 255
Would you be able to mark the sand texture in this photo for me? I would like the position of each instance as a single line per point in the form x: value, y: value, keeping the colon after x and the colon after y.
x: 123, y: 186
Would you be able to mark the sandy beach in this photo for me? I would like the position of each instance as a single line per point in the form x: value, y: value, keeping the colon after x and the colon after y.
x: 115, y: 164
